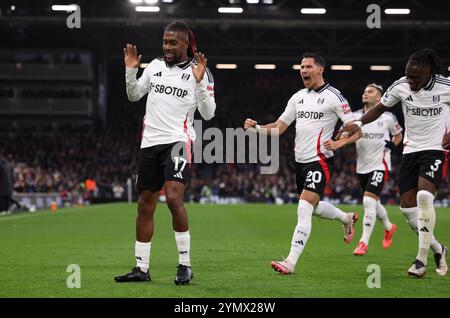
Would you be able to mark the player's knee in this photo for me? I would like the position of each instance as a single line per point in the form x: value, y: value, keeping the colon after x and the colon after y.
x: 144, y: 209
x: 173, y: 199
x: 424, y: 198
x: 369, y: 203
x: 411, y: 216
x: 321, y: 208
x: 305, y: 210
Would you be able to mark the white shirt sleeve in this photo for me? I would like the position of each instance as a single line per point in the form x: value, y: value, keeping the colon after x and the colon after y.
x: 393, y: 126
x: 391, y: 96
x: 137, y: 88
x: 288, y: 116
x: 205, y: 96
x: 343, y: 110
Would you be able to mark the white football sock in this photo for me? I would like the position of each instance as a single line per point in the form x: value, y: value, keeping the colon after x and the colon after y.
x: 383, y: 216
x: 142, y: 254
x: 302, y: 231
x: 411, y: 215
x: 370, y: 214
x: 326, y: 210
x: 183, y: 240
x: 425, y: 224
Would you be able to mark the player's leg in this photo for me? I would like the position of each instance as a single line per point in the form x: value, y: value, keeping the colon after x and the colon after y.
x: 328, y: 211
x: 305, y: 207
x: 176, y: 174
x: 311, y: 179
x: 389, y: 228
x: 433, y: 170
x: 409, y: 209
x: 149, y: 182
x: 302, y: 231
x: 145, y: 227
x: 370, y: 213
x: 372, y: 185
x: 424, y: 217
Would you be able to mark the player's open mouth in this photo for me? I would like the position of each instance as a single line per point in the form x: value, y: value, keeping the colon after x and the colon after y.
x: 170, y: 55
x: 306, y: 78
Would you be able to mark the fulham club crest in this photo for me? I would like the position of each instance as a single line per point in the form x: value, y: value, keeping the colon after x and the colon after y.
x: 185, y: 77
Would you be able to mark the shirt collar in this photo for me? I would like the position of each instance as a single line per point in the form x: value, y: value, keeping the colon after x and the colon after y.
x: 430, y: 84
x: 319, y: 89
x: 184, y: 64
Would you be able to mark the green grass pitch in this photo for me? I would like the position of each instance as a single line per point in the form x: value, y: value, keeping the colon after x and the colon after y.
x: 231, y: 250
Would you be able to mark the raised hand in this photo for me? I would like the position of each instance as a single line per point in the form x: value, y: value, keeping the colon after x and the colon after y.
x: 199, y: 69
x: 131, y: 57
x: 249, y: 123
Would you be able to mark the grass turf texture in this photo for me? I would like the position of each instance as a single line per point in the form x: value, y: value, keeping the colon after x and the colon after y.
x: 231, y: 250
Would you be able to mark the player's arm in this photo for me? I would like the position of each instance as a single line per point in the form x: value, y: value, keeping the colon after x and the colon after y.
x: 373, y: 114
x: 274, y: 129
x: 389, y: 99
x: 136, y: 88
x: 396, y: 131
x: 204, y: 89
x: 395, y: 141
x: 446, y: 139
x: 343, y: 141
x: 277, y: 128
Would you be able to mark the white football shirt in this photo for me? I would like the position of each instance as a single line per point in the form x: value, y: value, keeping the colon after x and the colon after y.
x: 426, y: 112
x: 173, y: 97
x: 316, y: 113
x: 370, y: 148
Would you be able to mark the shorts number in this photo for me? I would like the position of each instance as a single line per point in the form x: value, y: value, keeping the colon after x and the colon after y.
x: 377, y: 177
x: 435, y: 167
x: 314, y: 176
x: 177, y: 161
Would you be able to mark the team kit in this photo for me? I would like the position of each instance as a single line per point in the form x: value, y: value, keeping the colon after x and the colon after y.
x: 180, y: 83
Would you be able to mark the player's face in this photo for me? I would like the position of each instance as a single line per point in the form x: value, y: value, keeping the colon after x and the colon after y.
x: 175, y: 46
x: 417, y: 76
x: 371, y: 96
x: 311, y: 73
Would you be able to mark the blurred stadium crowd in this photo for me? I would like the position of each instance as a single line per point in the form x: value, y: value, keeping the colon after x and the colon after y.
x: 96, y: 159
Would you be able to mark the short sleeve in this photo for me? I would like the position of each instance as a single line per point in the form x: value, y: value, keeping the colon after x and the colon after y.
x: 343, y: 110
x: 391, y: 96
x: 393, y: 125
x: 288, y: 116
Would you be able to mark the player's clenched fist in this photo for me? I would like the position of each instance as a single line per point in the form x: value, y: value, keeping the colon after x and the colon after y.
x: 250, y: 123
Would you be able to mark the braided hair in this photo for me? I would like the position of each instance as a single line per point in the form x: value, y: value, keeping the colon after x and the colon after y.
x: 427, y: 57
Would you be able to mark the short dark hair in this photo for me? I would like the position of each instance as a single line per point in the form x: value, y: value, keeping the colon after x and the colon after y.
x: 181, y: 26
x: 427, y: 57
x: 317, y: 58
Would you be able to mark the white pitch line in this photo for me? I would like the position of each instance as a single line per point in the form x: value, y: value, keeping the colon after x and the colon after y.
x: 32, y: 214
